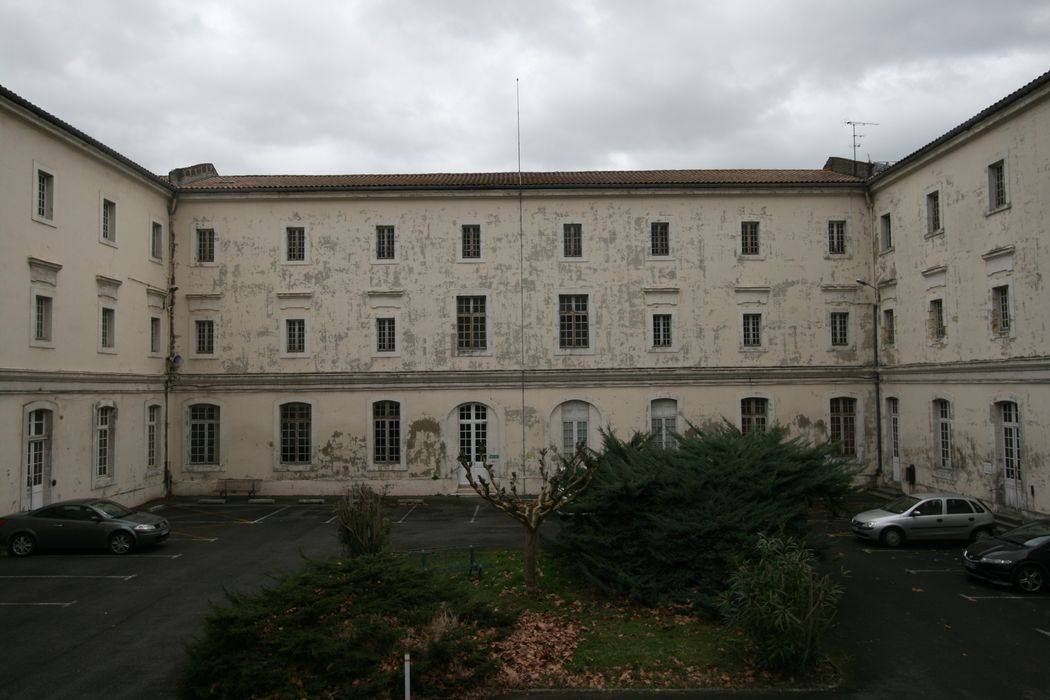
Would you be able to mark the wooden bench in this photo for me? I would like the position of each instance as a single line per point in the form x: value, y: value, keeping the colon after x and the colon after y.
x: 248, y: 486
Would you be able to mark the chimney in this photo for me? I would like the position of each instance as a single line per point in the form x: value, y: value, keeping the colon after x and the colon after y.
x: 184, y: 176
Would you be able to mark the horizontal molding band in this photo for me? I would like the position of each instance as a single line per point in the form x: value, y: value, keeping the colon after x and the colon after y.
x: 16, y: 381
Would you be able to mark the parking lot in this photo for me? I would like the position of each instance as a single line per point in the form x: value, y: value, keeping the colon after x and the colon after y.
x: 78, y: 625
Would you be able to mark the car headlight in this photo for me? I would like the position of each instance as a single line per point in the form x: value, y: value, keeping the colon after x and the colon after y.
x: 996, y: 562
x: 866, y: 525
x: 145, y: 526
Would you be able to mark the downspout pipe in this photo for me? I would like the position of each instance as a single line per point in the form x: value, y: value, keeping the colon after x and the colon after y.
x: 170, y: 364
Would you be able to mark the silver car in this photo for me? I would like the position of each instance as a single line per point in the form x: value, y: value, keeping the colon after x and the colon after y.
x: 85, y: 523
x: 925, y: 516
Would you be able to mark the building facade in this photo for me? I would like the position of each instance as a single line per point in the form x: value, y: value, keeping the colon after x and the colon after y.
x: 313, y: 331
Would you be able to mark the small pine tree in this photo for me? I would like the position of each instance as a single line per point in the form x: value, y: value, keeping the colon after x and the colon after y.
x: 363, y: 528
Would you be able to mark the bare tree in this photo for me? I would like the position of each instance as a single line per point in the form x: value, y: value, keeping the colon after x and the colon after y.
x: 560, y: 484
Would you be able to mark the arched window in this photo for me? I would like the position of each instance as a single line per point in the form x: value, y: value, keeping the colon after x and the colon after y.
x: 843, y: 425
x: 1008, y: 451
x: 105, y: 441
x: 296, y: 427
x: 386, y: 432
x: 38, y: 455
x: 942, y: 432
x: 575, y: 417
x: 664, y: 418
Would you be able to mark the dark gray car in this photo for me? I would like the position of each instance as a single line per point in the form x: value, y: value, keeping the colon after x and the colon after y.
x: 85, y: 523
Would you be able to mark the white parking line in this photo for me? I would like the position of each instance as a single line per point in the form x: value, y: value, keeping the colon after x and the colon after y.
x: 38, y: 605
x: 1042, y: 632
x: 191, y: 538
x: 474, y: 517
x: 408, y: 513
x: 121, y: 578
x: 105, y: 556
x: 933, y: 571
x: 259, y: 520
x: 975, y: 598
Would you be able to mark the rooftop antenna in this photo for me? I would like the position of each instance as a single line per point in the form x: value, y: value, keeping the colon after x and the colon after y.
x: 856, y: 139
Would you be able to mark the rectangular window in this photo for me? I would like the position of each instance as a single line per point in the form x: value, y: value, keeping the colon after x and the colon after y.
x: 997, y: 185
x: 109, y: 221
x: 749, y: 243
x: 839, y: 328
x: 938, y: 331
x: 573, y: 321
x: 205, y: 337
x: 204, y: 434
x: 42, y: 318
x: 104, y: 441
x: 295, y: 335
x: 471, y: 323
x: 386, y: 431
x: 664, y: 422
x: 471, y: 243
x: 660, y: 239
x: 1001, y: 310
x: 933, y: 213
x: 754, y: 414
x: 152, y: 426
x: 205, y: 245
x: 942, y: 420
x: 889, y: 327
x: 837, y: 237
x: 108, y: 330
x: 572, y: 241
x: 662, y: 331
x: 156, y: 241
x: 296, y: 420
x: 295, y: 244
x: 885, y: 232
x: 385, y: 249
x: 386, y: 335
x: 752, y: 330
x: 844, y: 425
x: 45, y: 195
x: 154, y: 335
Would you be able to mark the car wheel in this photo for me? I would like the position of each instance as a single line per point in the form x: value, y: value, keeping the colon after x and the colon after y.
x: 22, y: 545
x: 981, y: 533
x: 892, y: 537
x: 1030, y: 578
x: 121, y: 542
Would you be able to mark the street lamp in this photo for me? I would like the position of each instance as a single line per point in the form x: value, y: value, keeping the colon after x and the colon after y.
x: 878, y: 382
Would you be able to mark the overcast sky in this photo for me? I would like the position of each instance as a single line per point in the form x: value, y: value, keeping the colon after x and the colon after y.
x: 355, y: 86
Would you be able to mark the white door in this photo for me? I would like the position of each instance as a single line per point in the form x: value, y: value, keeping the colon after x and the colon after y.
x: 38, y: 456
x: 473, y: 440
x: 1009, y: 444
x: 893, y: 408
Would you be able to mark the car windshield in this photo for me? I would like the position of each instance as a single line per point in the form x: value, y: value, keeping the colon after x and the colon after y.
x: 900, y: 505
x: 1030, y: 535
x: 111, y: 509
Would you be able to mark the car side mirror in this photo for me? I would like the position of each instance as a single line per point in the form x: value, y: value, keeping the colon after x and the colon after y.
x: 914, y: 513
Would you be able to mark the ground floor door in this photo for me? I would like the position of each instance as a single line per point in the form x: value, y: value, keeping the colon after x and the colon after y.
x: 893, y: 411
x: 473, y: 440
x: 1009, y: 448
x: 38, y: 457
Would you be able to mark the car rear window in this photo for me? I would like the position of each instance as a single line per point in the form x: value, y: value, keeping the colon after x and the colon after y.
x: 977, y: 507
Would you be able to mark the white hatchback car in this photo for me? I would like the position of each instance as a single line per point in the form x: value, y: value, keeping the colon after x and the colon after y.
x: 925, y: 516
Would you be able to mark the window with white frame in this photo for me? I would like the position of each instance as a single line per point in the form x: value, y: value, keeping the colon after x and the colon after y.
x: 573, y: 321
x: 38, y: 451
x: 836, y: 237
x: 1001, y: 319
x: 153, y: 443
x: 42, y: 319
x: 44, y: 195
x: 294, y: 244
x: 204, y: 245
x: 204, y: 424
x: 752, y: 330
x: 997, y: 195
x: 1008, y: 442
x: 889, y: 327
x: 109, y: 221
x: 885, y: 232
x: 386, y: 334
x: 204, y: 335
x: 839, y: 328
x: 107, y: 338
x: 471, y: 324
x: 893, y: 410
x: 156, y: 240
x: 295, y: 336
x: 470, y: 242
x: 154, y: 335
x: 843, y: 425
x: 659, y: 239
x: 473, y: 432
x: 933, y: 213
x: 575, y: 422
x: 664, y: 419
x: 942, y: 433
x: 749, y: 240
x: 662, y: 330
x: 386, y: 243
x: 938, y: 330
x: 296, y: 425
x: 105, y: 447
x: 754, y: 414
x: 386, y: 433
x: 572, y: 240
